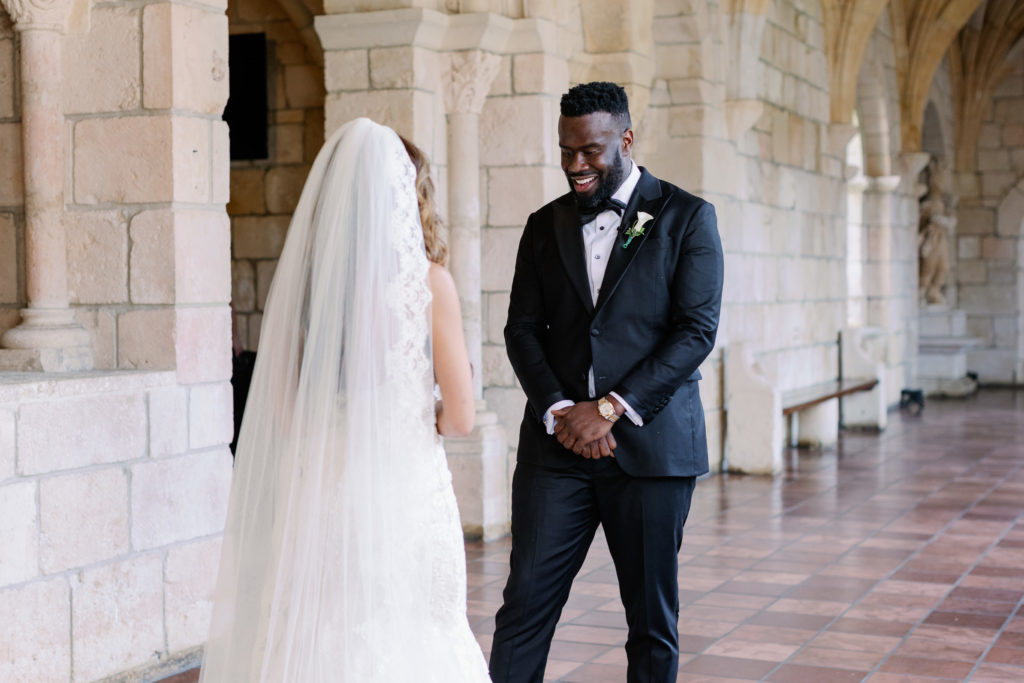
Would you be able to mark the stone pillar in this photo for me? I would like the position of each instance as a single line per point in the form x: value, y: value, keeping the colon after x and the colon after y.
x: 478, y: 462
x: 466, y: 77
x: 890, y: 219
x: 48, y: 337
x: 880, y: 210
x: 406, y: 68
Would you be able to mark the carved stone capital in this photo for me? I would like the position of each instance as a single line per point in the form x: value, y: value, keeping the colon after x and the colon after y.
x: 466, y: 78
x: 884, y: 184
x: 39, y: 14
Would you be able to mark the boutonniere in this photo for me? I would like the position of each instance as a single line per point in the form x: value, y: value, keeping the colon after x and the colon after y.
x: 642, y: 219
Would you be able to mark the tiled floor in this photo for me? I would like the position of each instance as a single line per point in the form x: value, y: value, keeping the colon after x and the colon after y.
x: 894, y: 558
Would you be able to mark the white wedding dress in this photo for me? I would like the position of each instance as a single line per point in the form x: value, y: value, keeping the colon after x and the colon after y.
x: 343, y: 557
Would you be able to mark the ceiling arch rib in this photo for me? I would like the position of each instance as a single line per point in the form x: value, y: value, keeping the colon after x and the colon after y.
x: 978, y: 63
x: 929, y: 28
x: 848, y: 26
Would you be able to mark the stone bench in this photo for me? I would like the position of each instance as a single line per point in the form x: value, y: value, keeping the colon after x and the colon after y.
x: 761, y: 419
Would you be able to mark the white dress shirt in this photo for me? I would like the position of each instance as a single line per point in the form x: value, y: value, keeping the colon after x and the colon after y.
x: 598, y: 240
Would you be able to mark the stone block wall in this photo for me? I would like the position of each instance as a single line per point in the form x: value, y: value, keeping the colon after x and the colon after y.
x: 113, y: 491
x: 12, y: 193
x: 990, y: 239
x: 142, y: 141
x: 787, y: 287
x: 682, y: 138
x: 520, y: 172
x: 114, y: 483
x: 264, y: 192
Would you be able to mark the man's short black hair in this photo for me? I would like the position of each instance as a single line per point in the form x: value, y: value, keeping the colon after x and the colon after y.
x: 587, y: 98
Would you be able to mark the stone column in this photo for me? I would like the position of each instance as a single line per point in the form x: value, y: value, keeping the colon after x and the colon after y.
x: 466, y: 77
x: 890, y: 218
x: 381, y: 64
x: 48, y: 337
x: 477, y: 461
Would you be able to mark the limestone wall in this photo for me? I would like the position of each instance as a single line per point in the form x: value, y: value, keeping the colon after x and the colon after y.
x: 113, y: 484
x: 12, y: 202
x: 787, y: 284
x: 147, y: 182
x: 990, y: 236
x: 520, y: 172
x: 264, y: 192
x: 113, y: 490
x: 683, y: 138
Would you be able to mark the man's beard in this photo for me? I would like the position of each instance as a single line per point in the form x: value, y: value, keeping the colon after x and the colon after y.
x: 607, y: 184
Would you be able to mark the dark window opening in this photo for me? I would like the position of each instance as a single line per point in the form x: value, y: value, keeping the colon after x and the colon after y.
x: 246, y: 111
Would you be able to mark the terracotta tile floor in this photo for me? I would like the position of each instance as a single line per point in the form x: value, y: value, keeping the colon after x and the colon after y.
x: 893, y: 558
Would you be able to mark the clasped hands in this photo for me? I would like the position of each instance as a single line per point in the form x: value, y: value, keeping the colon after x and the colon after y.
x: 581, y: 429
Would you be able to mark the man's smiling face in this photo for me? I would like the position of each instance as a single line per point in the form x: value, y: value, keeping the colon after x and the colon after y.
x: 595, y: 148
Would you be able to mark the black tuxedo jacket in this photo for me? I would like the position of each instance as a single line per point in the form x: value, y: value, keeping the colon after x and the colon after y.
x: 654, y: 323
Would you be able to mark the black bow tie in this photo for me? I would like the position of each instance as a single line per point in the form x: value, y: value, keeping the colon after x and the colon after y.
x: 610, y: 204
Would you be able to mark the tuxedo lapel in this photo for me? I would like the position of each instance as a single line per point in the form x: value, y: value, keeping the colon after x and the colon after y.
x: 569, y: 237
x: 645, y: 198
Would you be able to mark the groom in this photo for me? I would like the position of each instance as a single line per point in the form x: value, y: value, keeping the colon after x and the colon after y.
x: 614, y: 305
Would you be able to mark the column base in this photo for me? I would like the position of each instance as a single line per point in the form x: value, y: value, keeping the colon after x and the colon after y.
x: 479, y: 466
x: 47, y: 340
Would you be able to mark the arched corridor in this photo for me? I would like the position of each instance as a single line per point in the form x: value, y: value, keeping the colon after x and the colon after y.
x: 136, y: 246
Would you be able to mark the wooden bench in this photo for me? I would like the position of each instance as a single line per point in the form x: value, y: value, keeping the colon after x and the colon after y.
x: 795, y: 400
x: 761, y: 420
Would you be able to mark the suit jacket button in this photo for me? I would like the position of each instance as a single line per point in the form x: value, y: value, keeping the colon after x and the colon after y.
x: 595, y: 333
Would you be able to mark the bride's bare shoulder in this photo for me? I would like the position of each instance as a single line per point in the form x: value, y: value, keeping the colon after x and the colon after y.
x: 442, y: 284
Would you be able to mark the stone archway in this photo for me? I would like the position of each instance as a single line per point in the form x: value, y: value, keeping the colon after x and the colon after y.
x: 933, y: 138
x: 1007, y: 356
x: 264, y: 191
x: 878, y: 110
x: 848, y: 28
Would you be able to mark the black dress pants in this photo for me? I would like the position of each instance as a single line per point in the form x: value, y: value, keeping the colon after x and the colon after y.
x: 555, y: 513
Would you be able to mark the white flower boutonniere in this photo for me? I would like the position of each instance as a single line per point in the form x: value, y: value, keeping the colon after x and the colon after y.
x: 642, y: 219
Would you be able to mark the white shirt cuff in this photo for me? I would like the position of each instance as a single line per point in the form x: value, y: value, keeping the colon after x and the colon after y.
x: 633, y: 416
x: 549, y: 419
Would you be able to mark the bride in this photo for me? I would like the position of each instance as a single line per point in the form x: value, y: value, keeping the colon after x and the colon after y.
x: 343, y: 557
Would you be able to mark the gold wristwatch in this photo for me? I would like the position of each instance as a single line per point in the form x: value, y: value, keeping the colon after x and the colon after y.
x: 607, y: 410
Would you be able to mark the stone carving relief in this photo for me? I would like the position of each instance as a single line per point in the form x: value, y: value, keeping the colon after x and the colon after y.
x: 936, y: 225
x: 467, y: 78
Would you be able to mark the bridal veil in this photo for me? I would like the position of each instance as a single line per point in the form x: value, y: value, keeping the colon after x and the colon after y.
x: 322, y: 572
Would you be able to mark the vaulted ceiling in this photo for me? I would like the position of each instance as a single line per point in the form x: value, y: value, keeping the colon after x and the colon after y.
x: 977, y: 35
x: 978, y: 61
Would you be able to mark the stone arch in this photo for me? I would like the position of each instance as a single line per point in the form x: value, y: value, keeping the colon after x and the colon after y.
x: 939, y: 115
x: 933, y: 139
x: 848, y: 29
x: 301, y: 15
x: 1010, y: 214
x: 977, y: 61
x: 1007, y: 353
x: 877, y: 111
x: 925, y: 31
x: 264, y: 191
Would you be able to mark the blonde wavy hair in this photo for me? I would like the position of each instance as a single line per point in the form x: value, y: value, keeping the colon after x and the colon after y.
x: 433, y: 227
